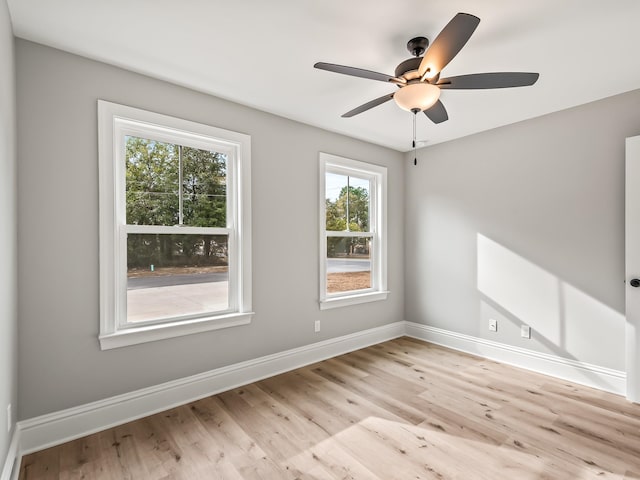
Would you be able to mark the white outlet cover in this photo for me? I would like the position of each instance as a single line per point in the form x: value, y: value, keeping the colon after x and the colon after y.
x: 525, y: 331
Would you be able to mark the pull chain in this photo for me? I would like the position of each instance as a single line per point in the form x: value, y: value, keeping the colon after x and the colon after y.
x: 415, y: 155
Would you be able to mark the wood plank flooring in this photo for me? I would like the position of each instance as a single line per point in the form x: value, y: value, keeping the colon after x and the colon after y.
x: 402, y: 410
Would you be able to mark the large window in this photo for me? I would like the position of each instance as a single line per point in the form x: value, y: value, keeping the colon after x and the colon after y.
x: 353, y: 259
x: 174, y: 226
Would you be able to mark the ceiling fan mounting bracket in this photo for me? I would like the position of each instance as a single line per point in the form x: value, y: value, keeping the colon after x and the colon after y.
x: 417, y: 46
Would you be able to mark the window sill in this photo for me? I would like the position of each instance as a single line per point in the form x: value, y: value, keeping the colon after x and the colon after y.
x: 151, y: 333
x: 356, y: 299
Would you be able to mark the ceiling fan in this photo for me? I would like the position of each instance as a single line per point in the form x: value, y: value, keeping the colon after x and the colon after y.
x: 418, y: 78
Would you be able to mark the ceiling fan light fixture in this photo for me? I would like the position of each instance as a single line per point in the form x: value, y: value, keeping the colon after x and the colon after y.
x: 417, y: 96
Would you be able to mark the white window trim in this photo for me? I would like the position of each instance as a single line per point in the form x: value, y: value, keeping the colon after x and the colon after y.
x: 378, y: 223
x: 113, y: 120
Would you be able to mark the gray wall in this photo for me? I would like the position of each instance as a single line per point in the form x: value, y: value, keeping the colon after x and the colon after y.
x: 60, y: 363
x: 8, y: 231
x: 525, y: 224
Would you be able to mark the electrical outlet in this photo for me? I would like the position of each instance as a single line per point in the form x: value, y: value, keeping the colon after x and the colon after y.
x: 525, y: 331
x: 493, y: 325
x: 9, y: 418
x: 317, y: 326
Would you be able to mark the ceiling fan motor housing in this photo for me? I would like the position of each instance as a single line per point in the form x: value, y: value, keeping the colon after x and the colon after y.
x: 407, y: 66
x: 409, y: 70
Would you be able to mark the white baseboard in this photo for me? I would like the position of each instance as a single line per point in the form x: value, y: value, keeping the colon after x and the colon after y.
x: 59, y: 427
x: 11, y: 468
x: 55, y: 428
x: 578, y: 372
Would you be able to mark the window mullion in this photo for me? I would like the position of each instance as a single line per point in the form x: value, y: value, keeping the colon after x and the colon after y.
x: 348, y: 199
x: 331, y: 233
x: 180, y: 186
x: 176, y: 230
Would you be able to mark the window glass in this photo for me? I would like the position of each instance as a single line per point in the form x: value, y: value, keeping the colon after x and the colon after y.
x: 176, y: 275
x: 154, y: 174
x: 347, y: 197
x: 204, y: 188
x: 348, y: 264
x: 151, y: 182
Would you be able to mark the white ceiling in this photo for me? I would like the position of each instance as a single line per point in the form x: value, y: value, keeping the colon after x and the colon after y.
x: 261, y: 53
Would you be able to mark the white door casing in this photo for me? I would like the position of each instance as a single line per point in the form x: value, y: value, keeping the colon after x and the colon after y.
x: 632, y: 266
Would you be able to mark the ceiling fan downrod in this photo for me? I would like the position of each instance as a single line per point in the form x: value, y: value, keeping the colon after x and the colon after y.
x: 415, y: 154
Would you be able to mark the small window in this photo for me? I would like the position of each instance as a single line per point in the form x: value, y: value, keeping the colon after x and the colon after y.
x: 353, y: 232
x: 174, y: 226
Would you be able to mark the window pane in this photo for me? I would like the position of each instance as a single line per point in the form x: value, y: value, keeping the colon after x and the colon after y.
x: 348, y: 264
x: 204, y: 188
x: 151, y: 182
x: 175, y: 275
x: 359, y: 189
x: 336, y: 212
x: 340, y: 206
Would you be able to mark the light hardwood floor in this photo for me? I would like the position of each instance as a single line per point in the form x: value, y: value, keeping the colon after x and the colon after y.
x: 402, y: 410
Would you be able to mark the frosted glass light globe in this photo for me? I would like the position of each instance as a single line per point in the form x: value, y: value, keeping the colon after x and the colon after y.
x: 417, y: 96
